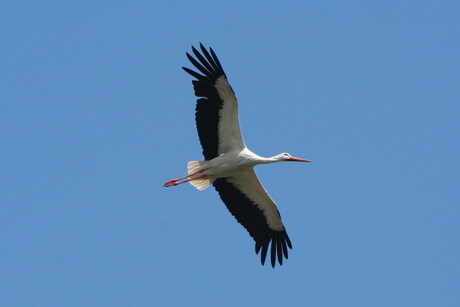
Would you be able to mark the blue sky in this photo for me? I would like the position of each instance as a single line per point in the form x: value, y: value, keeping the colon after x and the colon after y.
x: 96, y: 115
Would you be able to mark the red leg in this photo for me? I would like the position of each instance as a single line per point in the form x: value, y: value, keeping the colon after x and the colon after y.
x: 174, y: 182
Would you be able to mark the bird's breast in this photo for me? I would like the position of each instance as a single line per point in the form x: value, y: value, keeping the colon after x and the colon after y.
x: 227, y: 165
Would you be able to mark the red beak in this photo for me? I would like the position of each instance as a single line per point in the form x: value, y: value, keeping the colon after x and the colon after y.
x: 298, y: 159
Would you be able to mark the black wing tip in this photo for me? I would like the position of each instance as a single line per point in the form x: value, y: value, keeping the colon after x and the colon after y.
x: 194, y: 74
x: 255, y: 222
x: 206, y: 62
x: 201, y: 46
x: 280, y: 242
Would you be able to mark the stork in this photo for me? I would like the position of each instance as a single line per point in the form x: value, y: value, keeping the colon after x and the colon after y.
x: 229, y: 164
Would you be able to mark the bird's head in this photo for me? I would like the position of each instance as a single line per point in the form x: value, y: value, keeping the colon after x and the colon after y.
x: 287, y: 157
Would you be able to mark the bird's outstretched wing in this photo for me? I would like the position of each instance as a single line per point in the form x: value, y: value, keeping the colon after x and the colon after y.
x: 250, y: 204
x: 216, y: 115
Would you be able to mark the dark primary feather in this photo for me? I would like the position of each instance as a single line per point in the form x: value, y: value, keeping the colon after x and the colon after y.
x: 253, y: 219
x: 208, y: 107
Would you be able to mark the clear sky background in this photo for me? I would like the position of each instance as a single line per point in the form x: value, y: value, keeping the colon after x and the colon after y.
x: 96, y: 115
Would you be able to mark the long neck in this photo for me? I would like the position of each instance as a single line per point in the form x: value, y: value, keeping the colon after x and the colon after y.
x: 254, y: 159
x: 263, y: 160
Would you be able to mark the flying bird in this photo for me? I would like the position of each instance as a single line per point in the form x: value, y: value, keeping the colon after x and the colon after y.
x: 229, y: 164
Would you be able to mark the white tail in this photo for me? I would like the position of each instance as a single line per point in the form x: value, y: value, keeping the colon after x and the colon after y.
x: 193, y: 168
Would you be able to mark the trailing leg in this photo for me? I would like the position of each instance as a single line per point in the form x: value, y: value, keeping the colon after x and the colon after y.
x: 195, y: 176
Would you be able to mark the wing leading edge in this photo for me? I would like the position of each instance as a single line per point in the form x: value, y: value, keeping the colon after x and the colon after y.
x: 216, y: 114
x: 249, y: 203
